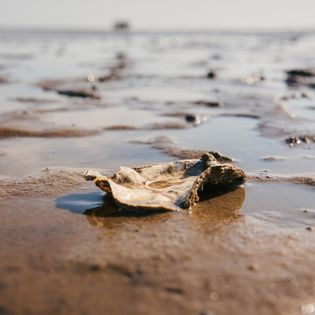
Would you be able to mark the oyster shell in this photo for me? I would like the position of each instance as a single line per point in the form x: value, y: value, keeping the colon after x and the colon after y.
x: 167, y: 186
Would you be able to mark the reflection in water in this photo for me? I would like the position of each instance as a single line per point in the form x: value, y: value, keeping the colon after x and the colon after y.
x: 216, y: 206
x: 282, y: 204
x: 110, y: 216
x: 78, y: 203
x: 101, y: 210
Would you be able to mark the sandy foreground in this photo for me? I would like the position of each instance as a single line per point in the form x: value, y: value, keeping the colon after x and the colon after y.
x: 71, y: 102
x: 212, y: 260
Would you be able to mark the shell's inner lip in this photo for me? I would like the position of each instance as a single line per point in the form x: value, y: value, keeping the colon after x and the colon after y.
x: 161, y: 184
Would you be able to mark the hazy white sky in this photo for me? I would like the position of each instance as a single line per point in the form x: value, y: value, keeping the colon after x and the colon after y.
x: 159, y: 14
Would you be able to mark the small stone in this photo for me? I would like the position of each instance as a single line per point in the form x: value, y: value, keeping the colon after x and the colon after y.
x: 309, y: 228
x: 253, y: 267
x: 211, y: 74
x: 195, y: 119
x: 190, y: 118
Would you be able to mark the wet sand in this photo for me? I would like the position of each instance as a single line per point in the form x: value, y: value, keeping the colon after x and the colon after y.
x: 214, y: 259
x: 65, y: 247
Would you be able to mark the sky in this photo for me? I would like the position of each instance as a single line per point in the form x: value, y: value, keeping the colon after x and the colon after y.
x: 159, y: 14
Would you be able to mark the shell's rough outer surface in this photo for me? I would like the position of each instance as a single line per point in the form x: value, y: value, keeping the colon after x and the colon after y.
x: 167, y: 186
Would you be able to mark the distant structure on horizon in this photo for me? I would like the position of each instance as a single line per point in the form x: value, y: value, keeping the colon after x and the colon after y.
x: 121, y: 26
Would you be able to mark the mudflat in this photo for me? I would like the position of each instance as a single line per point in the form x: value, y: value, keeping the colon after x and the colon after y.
x: 99, y: 101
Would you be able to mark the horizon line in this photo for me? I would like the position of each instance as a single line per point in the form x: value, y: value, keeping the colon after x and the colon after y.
x: 88, y: 29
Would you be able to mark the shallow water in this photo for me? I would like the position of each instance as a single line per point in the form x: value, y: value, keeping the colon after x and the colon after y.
x: 287, y: 206
x: 100, y: 152
x: 107, y: 117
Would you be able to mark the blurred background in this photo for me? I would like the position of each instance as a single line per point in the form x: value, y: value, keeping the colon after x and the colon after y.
x: 151, y: 14
x: 98, y: 83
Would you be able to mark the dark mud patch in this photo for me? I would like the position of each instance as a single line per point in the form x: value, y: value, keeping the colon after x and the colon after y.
x: 84, y: 93
x: 272, y: 158
x: 304, y: 77
x: 52, y: 85
x: 190, y: 118
x: 296, y: 95
x: 301, y: 72
x: 4, y: 80
x: 168, y: 125
x: 7, y: 132
x: 113, y: 75
x: 86, y: 267
x: 46, y: 110
x: 240, y: 115
x: 70, y: 88
x: 303, y: 139
x: 175, y: 290
x: 212, y: 104
x: 124, y: 270
x: 154, y: 126
x: 34, y: 100
x: 115, y: 71
x: 16, y: 56
x: 174, y: 114
x: 169, y: 147
x: 121, y: 128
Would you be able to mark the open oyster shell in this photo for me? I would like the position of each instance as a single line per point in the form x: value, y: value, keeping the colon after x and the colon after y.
x: 167, y: 186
